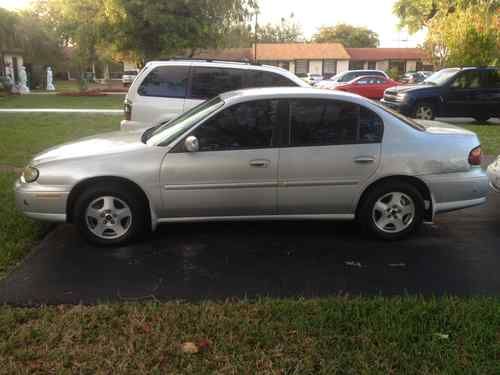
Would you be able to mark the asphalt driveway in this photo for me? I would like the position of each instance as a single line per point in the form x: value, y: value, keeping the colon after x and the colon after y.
x: 459, y: 255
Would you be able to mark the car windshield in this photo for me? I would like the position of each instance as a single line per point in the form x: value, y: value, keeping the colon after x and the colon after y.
x: 166, y: 133
x: 441, y: 77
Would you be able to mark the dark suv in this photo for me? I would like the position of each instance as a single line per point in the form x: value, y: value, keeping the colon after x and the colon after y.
x: 455, y: 92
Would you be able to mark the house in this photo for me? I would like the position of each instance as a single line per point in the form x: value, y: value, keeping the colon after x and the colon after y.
x: 326, y: 59
x: 11, y: 61
x: 402, y: 59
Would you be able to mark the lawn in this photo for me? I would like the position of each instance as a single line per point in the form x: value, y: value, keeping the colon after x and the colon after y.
x: 58, y: 101
x: 23, y: 135
x: 340, y: 335
x: 489, y: 136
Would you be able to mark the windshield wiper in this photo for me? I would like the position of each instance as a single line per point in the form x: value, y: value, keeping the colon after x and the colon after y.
x: 148, y: 132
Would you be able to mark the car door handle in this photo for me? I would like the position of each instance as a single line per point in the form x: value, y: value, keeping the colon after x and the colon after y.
x: 364, y: 159
x: 260, y: 163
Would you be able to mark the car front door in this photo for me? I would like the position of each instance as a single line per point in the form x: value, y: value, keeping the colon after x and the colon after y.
x: 234, y: 173
x: 333, y: 148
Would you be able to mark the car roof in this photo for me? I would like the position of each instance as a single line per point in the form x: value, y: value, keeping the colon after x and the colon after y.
x: 244, y: 95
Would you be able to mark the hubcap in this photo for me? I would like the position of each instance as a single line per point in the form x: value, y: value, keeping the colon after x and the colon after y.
x: 108, y: 217
x: 393, y: 212
x: 424, y: 113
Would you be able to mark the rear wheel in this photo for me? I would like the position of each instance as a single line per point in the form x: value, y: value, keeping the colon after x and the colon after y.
x: 392, y: 211
x: 425, y: 111
x: 110, y: 215
x: 481, y: 119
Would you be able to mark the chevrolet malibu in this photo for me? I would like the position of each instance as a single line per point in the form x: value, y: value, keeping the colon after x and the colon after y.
x: 260, y: 154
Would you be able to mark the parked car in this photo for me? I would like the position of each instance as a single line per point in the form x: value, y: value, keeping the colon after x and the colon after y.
x: 260, y: 154
x: 129, y: 76
x: 347, y: 77
x: 454, y: 92
x: 415, y: 77
x: 313, y: 79
x: 494, y: 174
x: 165, y: 89
x: 371, y: 87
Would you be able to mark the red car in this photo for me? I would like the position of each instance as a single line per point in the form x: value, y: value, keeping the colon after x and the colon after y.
x: 371, y: 87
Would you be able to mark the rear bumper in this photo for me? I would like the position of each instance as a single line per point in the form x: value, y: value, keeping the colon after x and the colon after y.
x: 455, y: 191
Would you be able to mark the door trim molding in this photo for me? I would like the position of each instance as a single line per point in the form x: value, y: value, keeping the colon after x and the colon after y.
x: 232, y: 185
x: 258, y: 218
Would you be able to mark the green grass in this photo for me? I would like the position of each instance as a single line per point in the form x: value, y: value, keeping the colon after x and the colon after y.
x: 23, y: 135
x: 57, y: 101
x: 327, y: 336
x: 489, y: 136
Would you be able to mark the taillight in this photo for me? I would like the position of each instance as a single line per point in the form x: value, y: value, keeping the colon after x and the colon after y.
x: 475, y: 156
x: 127, y: 110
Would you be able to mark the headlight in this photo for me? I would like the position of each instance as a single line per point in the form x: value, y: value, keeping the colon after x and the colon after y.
x: 401, y: 97
x: 30, y: 174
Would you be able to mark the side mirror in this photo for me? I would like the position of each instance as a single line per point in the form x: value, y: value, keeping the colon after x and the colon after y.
x: 192, y: 144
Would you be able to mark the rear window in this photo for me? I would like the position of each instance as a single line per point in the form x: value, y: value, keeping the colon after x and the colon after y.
x: 166, y: 82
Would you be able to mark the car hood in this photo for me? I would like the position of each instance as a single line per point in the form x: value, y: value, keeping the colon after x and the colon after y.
x: 408, y: 88
x: 437, y: 127
x: 102, y: 144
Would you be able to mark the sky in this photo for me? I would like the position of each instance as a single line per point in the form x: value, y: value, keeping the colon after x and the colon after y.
x: 312, y: 14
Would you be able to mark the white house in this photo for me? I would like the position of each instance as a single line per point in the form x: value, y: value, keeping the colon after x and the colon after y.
x: 10, y: 63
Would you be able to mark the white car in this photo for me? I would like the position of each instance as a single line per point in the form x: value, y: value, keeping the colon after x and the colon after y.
x: 494, y: 174
x: 165, y: 89
x: 348, y: 76
x: 129, y: 76
x: 313, y: 79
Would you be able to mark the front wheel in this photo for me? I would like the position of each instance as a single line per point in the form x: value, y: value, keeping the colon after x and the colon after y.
x: 110, y: 215
x: 482, y: 119
x: 392, y: 211
x: 425, y: 111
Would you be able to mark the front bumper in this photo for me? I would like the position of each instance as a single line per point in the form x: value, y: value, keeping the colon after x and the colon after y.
x: 455, y: 191
x: 39, y: 202
x: 127, y: 125
x: 494, y: 175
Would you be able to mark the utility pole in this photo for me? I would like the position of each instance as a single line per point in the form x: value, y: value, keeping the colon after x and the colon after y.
x: 256, y: 38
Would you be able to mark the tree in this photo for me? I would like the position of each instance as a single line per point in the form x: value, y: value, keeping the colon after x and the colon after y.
x: 154, y: 29
x: 350, y: 36
x: 8, y: 21
x: 469, y: 36
x: 416, y: 14
x: 287, y: 31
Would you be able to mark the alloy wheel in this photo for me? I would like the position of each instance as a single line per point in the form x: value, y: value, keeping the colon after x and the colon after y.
x: 393, y: 212
x: 424, y: 112
x: 108, y: 217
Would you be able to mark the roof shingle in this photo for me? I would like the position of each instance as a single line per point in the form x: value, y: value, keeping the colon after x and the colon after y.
x: 378, y: 54
x: 301, y: 51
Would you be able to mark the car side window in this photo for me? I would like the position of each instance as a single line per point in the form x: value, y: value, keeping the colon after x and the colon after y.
x: 322, y: 122
x: 166, y: 82
x: 371, y: 126
x: 493, y: 78
x: 259, y: 78
x: 210, y: 82
x: 468, y: 80
x: 248, y: 125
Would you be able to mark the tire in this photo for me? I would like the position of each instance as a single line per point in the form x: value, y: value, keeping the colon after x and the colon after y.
x: 424, y: 111
x: 403, y: 216
x: 111, y: 214
x: 482, y: 119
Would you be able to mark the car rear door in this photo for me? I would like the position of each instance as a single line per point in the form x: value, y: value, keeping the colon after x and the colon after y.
x: 464, y: 95
x: 332, y: 148
x: 492, y: 92
x: 161, y: 94
x: 234, y: 173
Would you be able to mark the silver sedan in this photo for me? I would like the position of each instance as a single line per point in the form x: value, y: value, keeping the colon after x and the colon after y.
x: 260, y: 154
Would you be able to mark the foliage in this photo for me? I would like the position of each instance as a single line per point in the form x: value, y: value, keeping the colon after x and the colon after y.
x: 350, y: 36
x: 287, y: 31
x: 469, y: 36
x: 159, y: 29
x: 8, y: 20
x: 238, y: 36
x: 416, y: 14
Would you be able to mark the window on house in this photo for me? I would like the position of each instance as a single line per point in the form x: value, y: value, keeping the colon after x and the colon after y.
x: 372, y: 65
x: 356, y: 65
x: 301, y: 67
x: 329, y: 68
